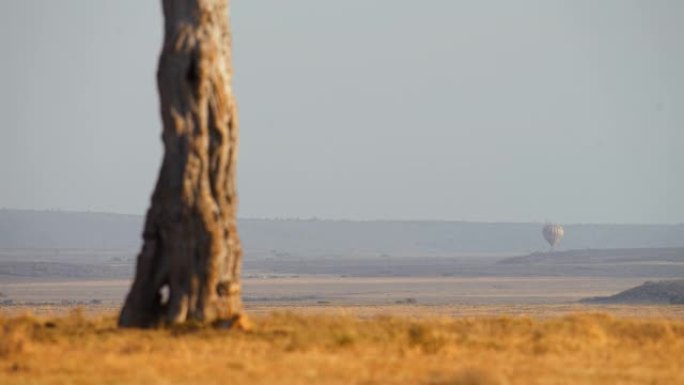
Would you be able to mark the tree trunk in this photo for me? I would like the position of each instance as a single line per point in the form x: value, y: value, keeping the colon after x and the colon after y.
x: 191, y: 249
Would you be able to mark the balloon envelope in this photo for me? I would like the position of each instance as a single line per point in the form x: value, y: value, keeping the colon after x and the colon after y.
x: 553, y: 234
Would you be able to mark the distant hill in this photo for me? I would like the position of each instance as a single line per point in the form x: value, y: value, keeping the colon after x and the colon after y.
x: 23, y: 229
x: 666, y: 262
x: 26, y: 229
x: 661, y: 292
x: 602, y: 256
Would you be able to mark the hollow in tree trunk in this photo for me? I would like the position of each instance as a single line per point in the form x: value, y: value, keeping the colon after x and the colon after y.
x: 189, y: 265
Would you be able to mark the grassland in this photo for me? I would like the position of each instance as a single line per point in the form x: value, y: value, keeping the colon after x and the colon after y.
x: 295, y: 348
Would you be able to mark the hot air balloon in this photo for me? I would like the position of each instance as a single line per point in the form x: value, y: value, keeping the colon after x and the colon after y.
x: 553, y: 234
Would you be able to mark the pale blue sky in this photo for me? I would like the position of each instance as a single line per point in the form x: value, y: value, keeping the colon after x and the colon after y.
x: 504, y: 110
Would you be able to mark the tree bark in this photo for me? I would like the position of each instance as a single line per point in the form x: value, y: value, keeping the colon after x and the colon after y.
x: 191, y: 247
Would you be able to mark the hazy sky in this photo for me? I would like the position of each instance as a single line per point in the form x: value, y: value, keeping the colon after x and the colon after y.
x: 571, y: 111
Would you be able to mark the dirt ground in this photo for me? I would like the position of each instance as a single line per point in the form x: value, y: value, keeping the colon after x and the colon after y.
x: 442, y: 296
x: 338, y: 290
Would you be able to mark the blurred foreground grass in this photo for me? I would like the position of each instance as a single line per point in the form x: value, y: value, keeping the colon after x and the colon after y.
x: 287, y: 348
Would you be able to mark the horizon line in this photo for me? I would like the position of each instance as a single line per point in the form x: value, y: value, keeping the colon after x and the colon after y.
x: 323, y: 219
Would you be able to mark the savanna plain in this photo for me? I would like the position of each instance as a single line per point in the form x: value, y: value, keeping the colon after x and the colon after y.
x: 360, y: 316
x: 343, y: 346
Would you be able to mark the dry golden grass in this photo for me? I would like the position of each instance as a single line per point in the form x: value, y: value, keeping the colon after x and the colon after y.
x: 286, y: 348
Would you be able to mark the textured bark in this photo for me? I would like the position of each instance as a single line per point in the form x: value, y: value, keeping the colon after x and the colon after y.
x: 191, y: 246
